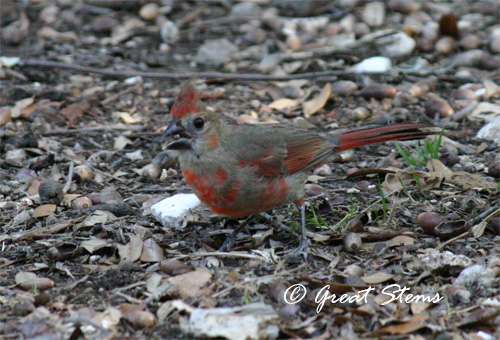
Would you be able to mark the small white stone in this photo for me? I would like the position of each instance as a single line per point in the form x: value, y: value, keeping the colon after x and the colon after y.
x: 375, y: 65
x: 374, y: 14
x: 491, y: 131
x: 171, y: 211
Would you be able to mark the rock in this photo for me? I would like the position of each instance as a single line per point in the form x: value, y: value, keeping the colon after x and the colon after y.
x: 171, y: 211
x: 444, y: 262
x: 246, y: 9
x: 476, y: 276
x: 491, y: 131
x: 51, y: 192
x: 149, y: 11
x: 397, y: 46
x: 374, y: 65
x: 215, y: 52
x: 374, y: 14
x: 495, y: 40
x: 169, y: 32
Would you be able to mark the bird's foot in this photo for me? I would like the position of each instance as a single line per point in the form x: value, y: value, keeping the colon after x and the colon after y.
x: 299, y: 254
x: 228, y: 242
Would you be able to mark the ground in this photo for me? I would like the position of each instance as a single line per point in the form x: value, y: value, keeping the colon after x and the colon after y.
x: 86, y: 89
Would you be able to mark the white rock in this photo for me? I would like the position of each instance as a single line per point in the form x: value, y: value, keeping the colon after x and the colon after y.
x: 476, y: 276
x: 374, y: 65
x: 397, y: 45
x: 171, y: 211
x: 374, y: 14
x: 215, y: 52
x: 491, y: 131
x: 149, y: 11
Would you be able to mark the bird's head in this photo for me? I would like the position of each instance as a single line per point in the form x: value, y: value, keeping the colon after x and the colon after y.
x: 191, y: 123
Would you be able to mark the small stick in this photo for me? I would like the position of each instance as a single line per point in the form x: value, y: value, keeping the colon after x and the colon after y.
x: 69, y: 178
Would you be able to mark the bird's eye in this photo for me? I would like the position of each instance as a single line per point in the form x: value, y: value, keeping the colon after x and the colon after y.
x: 199, y: 122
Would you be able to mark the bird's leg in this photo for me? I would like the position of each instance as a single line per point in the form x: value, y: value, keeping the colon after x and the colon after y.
x: 303, y: 245
x: 231, y: 238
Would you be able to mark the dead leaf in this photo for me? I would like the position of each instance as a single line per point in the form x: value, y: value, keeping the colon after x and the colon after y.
x: 485, y: 111
x: 415, y: 323
x: 132, y: 250
x: 121, y: 142
x: 50, y: 33
x: 435, y: 165
x: 140, y: 318
x: 128, y: 119
x: 151, y: 251
x: 394, y: 242
x: 98, y: 217
x: 94, y: 244
x: 468, y: 181
x: 5, y: 114
x: 19, y: 106
x: 401, y: 179
x: 317, y: 103
x: 44, y: 210
x: 376, y: 278
x: 191, y: 284
x: 75, y: 111
x: 283, y: 104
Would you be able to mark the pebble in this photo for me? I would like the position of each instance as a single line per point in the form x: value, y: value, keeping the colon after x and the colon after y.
x: 470, y: 42
x: 215, y: 52
x: 374, y: 13
x: 51, y: 192
x: 430, y: 31
x: 495, y: 40
x: 445, y: 45
x: 491, y: 131
x: 374, y: 65
x: 344, y: 87
x: 397, y: 45
x: 149, y: 11
x: 324, y: 170
x: 246, y: 9
x: 476, y: 276
x: 171, y: 211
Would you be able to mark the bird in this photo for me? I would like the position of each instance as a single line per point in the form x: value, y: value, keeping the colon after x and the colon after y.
x: 240, y: 170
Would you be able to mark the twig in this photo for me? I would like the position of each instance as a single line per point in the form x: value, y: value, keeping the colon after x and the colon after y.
x: 69, y: 178
x: 451, y: 240
x: 187, y: 75
x: 115, y: 127
x: 119, y: 94
x: 221, y: 254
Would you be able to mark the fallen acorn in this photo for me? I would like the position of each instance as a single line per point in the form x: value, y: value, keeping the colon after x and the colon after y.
x: 429, y: 221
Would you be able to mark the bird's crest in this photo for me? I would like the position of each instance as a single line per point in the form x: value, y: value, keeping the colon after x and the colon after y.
x: 187, y: 101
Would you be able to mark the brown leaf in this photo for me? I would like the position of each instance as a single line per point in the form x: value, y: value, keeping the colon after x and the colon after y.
x: 376, y: 278
x: 317, y: 103
x: 151, y: 251
x: 283, y: 103
x: 75, y: 111
x: 132, y: 250
x: 44, y: 210
x: 191, y: 284
x: 415, y: 323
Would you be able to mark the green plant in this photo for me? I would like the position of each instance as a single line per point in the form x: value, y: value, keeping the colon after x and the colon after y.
x: 421, y: 155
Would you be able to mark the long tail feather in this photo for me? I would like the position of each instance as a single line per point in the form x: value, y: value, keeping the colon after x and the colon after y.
x: 367, y: 136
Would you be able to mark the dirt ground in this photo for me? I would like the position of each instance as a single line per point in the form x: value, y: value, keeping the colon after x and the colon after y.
x: 407, y: 246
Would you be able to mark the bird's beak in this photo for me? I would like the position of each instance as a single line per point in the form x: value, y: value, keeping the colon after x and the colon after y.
x: 181, y: 138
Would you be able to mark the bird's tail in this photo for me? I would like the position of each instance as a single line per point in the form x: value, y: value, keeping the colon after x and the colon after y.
x: 366, y: 136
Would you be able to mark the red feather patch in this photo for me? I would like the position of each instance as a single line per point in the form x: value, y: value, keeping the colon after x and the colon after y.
x: 187, y: 102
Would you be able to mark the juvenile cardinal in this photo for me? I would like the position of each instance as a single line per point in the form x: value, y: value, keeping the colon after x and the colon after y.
x: 241, y: 170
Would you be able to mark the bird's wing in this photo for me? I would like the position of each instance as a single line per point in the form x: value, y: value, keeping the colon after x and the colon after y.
x: 277, y: 150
